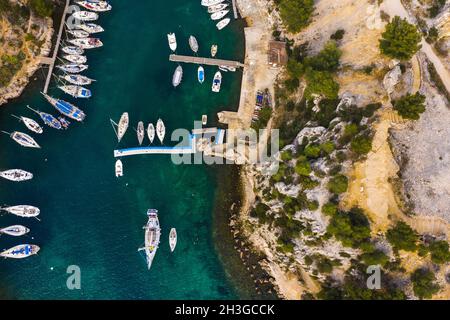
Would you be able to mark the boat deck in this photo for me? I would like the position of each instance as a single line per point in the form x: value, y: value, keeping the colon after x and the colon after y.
x: 205, y: 61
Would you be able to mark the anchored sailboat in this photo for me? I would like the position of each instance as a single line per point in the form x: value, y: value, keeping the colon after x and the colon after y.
x: 15, y: 231
x: 66, y: 108
x: 91, y: 27
x: 172, y: 239
x: 85, y: 15
x: 152, y: 235
x: 17, y: 175
x: 177, y: 76
x: 77, y: 79
x: 160, y: 130
x: 72, y: 50
x: 21, y: 251
x: 24, y: 211
x: 151, y: 132
x: 30, y: 124
x: 140, y: 132
x: 23, y: 139
x: 76, y: 91
x: 48, y: 119
x: 193, y: 44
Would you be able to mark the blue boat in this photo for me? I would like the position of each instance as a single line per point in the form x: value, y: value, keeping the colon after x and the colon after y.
x: 201, y: 74
x: 48, y: 119
x: 66, y: 108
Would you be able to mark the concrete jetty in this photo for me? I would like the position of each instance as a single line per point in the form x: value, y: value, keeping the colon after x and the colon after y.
x: 205, y: 61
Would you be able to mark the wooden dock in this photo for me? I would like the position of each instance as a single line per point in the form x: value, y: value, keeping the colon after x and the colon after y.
x: 50, y: 61
x: 235, y: 11
x: 205, y: 61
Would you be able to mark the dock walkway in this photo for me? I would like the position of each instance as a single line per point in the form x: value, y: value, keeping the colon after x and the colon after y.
x: 235, y: 11
x: 205, y: 61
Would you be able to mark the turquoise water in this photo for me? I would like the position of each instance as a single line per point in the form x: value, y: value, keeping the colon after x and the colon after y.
x: 90, y: 218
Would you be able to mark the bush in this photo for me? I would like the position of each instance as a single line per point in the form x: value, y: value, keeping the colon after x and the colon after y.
x: 351, y: 228
x: 402, y: 237
x: 338, y: 184
x: 424, y: 285
x: 375, y: 257
x: 410, y: 106
x: 400, y: 40
x: 329, y: 209
x: 303, y: 168
x: 43, y: 8
x: 439, y: 252
x: 321, y: 83
x: 296, y: 13
x: 312, y: 151
x: 338, y: 35
x: 361, y: 144
x: 327, y: 59
x: 327, y: 147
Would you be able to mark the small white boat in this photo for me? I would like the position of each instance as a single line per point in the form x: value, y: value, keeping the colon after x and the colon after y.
x: 193, y: 44
x: 177, y: 76
x: 72, y: 67
x: 219, y: 14
x: 75, y: 58
x: 217, y: 82
x: 21, y: 251
x: 201, y: 74
x: 160, y: 130
x: 213, y: 50
x: 76, y: 91
x: 227, y: 68
x: 16, y: 175
x: 119, y: 168
x: 172, y: 239
x: 30, y: 124
x: 140, y: 132
x: 152, y: 236
x: 151, y: 132
x: 78, y: 33
x: 122, y: 126
x: 77, y: 79
x: 72, y: 50
x: 23, y: 139
x: 86, y: 43
x: 208, y: 3
x: 217, y: 7
x: 23, y: 211
x: 204, y: 119
x: 223, y: 23
x: 91, y: 27
x: 15, y: 231
x: 172, y: 41
x: 85, y: 15
x: 98, y: 6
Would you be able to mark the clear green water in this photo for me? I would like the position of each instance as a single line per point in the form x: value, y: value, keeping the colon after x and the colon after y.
x: 91, y: 219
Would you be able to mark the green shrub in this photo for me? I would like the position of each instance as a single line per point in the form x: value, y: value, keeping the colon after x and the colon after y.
x: 296, y: 13
x: 303, y: 168
x: 338, y: 184
x: 361, y: 144
x: 329, y: 209
x: 400, y: 40
x: 43, y: 8
x: 321, y: 83
x: 402, y: 237
x: 410, y: 106
x: 439, y: 252
x: 375, y: 257
x: 424, y: 285
x: 312, y: 151
x: 338, y: 35
x: 351, y: 228
x: 328, y: 147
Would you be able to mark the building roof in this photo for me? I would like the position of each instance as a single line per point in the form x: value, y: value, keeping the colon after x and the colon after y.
x: 277, y: 53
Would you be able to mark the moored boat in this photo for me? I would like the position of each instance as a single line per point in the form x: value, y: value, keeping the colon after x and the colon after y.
x: 208, y: 3
x: 72, y: 67
x: 160, y: 130
x: 217, y: 82
x: 172, y: 239
x: 16, y: 175
x: 172, y: 41
x: 66, y: 108
x: 204, y: 119
x: 227, y: 68
x: 91, y: 27
x: 15, y: 230
x: 23, y: 139
x: 24, y: 211
x: 86, y: 43
x: 30, y: 124
x: 76, y: 91
x: 219, y: 14
x: 85, y: 15
x: 152, y: 236
x: 177, y: 76
x: 119, y: 168
x: 72, y: 50
x: 97, y: 6
x: 78, y: 33
x: 122, y: 126
x: 201, y: 74
x: 217, y: 7
x: 223, y: 23
x: 193, y: 44
x: 151, y: 132
x: 213, y: 50
x: 140, y: 132
x: 75, y: 58
x: 48, y: 119
x: 77, y: 79
x: 21, y: 251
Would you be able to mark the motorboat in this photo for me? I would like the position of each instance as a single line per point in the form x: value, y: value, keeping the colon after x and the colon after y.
x: 85, y: 15
x: 223, y: 23
x: 201, y: 74
x: 208, y: 3
x: 217, y: 7
x: 140, y: 132
x: 177, y: 76
x: 213, y: 50
x: 172, y: 239
x: 193, y: 44
x: 151, y: 132
x: 119, y: 168
x: 217, y: 82
x: 219, y: 14
x: 172, y: 41
x: 160, y: 130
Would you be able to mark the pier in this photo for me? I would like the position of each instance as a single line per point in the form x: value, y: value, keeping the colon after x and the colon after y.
x: 50, y: 61
x: 205, y: 61
x: 235, y: 11
x: 190, y: 149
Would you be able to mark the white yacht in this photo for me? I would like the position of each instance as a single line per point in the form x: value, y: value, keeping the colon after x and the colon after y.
x: 217, y: 82
x: 72, y: 50
x: 98, y: 6
x: 30, y: 124
x: 119, y: 168
x: 219, y: 14
x: 78, y: 33
x: 140, y: 132
x: 75, y: 58
x: 24, y: 211
x: 223, y: 23
x: 160, y: 130
x: 91, y: 27
x: 152, y: 236
x: 17, y: 175
x: 123, y: 125
x: 86, y: 43
x: 172, y: 239
x: 15, y: 231
x: 21, y: 251
x: 217, y: 7
x: 77, y: 79
x: 151, y: 132
x: 208, y: 3
x: 172, y: 41
x: 193, y: 44
x: 85, y: 15
x: 177, y: 76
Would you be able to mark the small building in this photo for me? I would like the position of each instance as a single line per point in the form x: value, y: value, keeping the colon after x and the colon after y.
x: 277, y: 54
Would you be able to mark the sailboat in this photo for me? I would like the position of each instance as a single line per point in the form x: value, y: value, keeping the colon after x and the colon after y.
x: 23, y: 139
x: 152, y: 235
x: 172, y: 239
x: 15, y: 231
x: 193, y: 44
x: 177, y: 76
x: 140, y: 132
x: 21, y: 251
x: 219, y: 14
x: 201, y: 74
x: 151, y: 132
x: 213, y: 50
x: 172, y: 41
x: 122, y: 126
x: 78, y: 33
x: 217, y: 82
x: 72, y: 67
x: 223, y: 23
x: 208, y: 3
x: 66, y: 108
x: 24, y: 211
x: 30, y: 124
x: 91, y: 27
x: 217, y: 7
x: 16, y: 175
x: 72, y: 50
x: 98, y: 6
x: 48, y: 119
x: 77, y: 79
x: 76, y: 91
x: 86, y: 43
x: 75, y: 58
x: 119, y: 168
x: 85, y: 15
x: 160, y: 130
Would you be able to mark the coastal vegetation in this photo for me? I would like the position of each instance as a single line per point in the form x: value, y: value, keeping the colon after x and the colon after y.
x: 410, y: 106
x: 296, y: 14
x: 43, y: 8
